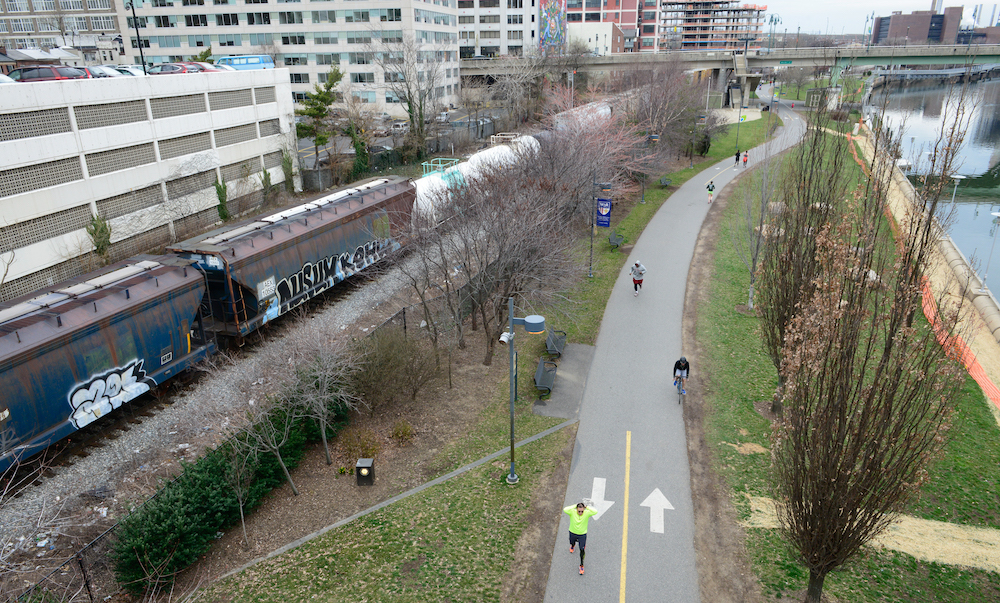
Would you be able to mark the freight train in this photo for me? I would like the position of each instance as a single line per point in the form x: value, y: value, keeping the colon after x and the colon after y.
x: 81, y: 349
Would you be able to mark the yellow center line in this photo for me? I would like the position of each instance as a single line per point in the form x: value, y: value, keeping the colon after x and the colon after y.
x: 628, y: 456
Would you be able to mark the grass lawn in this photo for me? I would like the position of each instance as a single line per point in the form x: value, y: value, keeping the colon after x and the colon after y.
x: 456, y: 541
x: 962, y: 488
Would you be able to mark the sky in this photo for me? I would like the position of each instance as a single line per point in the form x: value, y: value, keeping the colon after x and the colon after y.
x: 848, y: 16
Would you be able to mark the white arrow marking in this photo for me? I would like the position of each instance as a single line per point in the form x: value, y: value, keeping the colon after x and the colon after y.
x: 657, y: 503
x: 597, y: 497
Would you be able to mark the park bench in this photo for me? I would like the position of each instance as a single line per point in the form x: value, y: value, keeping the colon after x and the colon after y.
x: 665, y: 182
x: 555, y: 342
x: 545, y: 376
x: 616, y: 239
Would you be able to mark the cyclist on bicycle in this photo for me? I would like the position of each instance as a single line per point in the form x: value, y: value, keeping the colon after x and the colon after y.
x: 681, y: 372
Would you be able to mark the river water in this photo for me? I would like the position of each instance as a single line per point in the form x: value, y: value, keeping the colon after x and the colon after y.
x: 973, y: 228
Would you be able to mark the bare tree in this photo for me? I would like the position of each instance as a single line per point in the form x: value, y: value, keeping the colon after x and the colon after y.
x: 869, y: 390
x: 517, y: 85
x: 664, y: 101
x: 412, y: 71
x: 323, y: 389
x: 242, y: 459
x: 269, y: 425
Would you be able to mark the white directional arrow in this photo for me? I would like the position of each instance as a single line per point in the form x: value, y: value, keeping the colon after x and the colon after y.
x: 657, y: 504
x: 597, y: 497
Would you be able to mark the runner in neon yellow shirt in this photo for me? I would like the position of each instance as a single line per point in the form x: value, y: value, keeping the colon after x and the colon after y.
x: 579, y: 517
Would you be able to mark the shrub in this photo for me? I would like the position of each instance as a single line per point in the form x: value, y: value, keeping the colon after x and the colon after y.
x: 222, y: 193
x: 359, y: 443
x: 390, y: 366
x: 402, y: 431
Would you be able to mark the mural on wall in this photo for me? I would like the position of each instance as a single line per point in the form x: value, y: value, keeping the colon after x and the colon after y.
x: 106, y: 392
x: 552, y: 36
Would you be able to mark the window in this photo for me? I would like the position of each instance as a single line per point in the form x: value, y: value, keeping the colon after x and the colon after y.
x: 193, y: 2
x: 648, y: 29
x: 299, y: 78
x: 489, y: 3
x: 515, y: 19
x: 299, y: 96
x: 199, y: 41
x: 466, y: 4
x: 466, y: 35
x: 647, y: 42
x: 362, y: 78
x: 593, y: 3
x: 47, y: 25
x: 515, y: 35
x: 293, y: 39
x: 392, y: 36
x: 574, y: 17
x: 394, y: 78
x: 489, y: 34
x: 145, y: 44
x: 592, y: 17
x: 102, y: 23
x: 43, y: 5
x: 515, y: 3
x: 255, y: 1
x: 290, y: 18
x: 295, y: 59
x: 258, y: 18
x: 324, y: 16
x: 263, y: 39
x: 391, y: 98
x: 325, y: 38
x: 162, y: 3
x: 359, y: 58
x: 515, y: 51
x: 227, y: 19
x: 99, y: 4
x: 649, y: 16
x: 364, y: 96
x: 359, y: 37
x: 168, y: 41
x: 230, y: 39
x: 196, y: 20
x: 75, y: 23
x: 322, y: 78
x: 140, y: 21
x: 327, y: 59
x: 164, y: 21
x: 354, y: 16
x: 467, y: 19
x: 223, y: 2
x: 391, y: 14
x: 574, y: 4
x: 489, y: 18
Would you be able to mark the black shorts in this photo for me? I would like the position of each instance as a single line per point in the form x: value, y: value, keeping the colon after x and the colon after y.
x: 581, y: 538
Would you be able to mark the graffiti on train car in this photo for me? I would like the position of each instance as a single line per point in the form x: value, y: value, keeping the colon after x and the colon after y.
x: 106, y: 392
x: 314, y: 278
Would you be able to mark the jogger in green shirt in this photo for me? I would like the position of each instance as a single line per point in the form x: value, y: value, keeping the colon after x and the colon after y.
x: 579, y: 517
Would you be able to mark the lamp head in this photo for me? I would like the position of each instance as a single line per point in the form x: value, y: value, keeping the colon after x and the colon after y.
x: 505, y: 337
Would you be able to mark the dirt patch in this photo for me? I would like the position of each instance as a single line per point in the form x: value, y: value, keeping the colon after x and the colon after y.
x: 724, y: 572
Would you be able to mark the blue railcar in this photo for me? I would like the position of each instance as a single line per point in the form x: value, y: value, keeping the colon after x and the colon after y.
x: 263, y: 267
x: 81, y: 349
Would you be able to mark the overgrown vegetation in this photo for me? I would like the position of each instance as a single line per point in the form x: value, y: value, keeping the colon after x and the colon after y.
x: 222, y: 194
x: 99, y: 232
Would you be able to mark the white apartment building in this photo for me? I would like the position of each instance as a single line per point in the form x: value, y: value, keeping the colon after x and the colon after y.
x: 491, y: 28
x: 306, y: 36
x: 28, y: 24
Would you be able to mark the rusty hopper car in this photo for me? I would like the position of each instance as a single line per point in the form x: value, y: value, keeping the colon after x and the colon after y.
x: 83, y: 348
x: 263, y: 267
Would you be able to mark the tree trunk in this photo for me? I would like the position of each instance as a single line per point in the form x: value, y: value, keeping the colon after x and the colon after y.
x: 288, y: 476
x: 243, y: 522
x: 326, y: 446
x: 815, y: 590
x: 750, y: 298
x: 777, y: 407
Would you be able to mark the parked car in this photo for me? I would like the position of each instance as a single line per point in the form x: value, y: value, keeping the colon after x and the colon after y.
x: 442, y: 118
x: 225, y: 67
x: 400, y: 127
x: 41, y: 73
x: 201, y: 66
x: 6, y: 79
x: 172, y: 68
x: 96, y: 71
x: 126, y: 69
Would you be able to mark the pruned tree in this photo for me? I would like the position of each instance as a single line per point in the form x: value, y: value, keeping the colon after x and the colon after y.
x: 813, y: 188
x: 517, y: 85
x: 317, y: 124
x: 869, y: 387
x: 798, y: 77
x: 666, y: 102
x: 323, y: 390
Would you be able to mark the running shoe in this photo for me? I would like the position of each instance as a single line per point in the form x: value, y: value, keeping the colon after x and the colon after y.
x: 572, y: 548
x: 581, y: 570
x: 684, y: 392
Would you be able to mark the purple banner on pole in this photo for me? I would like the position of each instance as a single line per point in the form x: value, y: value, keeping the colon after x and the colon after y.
x: 604, y: 212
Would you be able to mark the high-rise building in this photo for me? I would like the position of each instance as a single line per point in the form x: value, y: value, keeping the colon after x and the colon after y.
x: 309, y: 37
x: 26, y: 24
x: 638, y: 16
x: 492, y: 28
x: 710, y: 25
x: 918, y: 27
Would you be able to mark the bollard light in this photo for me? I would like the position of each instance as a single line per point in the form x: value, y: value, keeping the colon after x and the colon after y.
x: 365, y: 472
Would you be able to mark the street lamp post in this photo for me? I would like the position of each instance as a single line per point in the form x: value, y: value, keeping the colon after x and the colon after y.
x: 533, y: 324
x: 957, y: 178
x: 986, y: 275
x: 773, y: 20
x: 138, y: 40
x: 605, y: 188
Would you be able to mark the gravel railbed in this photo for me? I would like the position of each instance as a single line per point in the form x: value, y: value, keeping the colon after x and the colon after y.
x: 131, y: 465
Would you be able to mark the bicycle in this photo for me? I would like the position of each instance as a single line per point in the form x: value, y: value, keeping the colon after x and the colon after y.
x: 680, y: 389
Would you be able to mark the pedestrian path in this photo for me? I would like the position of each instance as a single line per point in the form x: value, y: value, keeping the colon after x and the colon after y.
x: 630, y: 458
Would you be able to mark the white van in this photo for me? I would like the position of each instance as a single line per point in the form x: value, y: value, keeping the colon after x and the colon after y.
x: 247, y: 61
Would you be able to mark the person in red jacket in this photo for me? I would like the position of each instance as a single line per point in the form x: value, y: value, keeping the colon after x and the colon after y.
x: 579, y: 517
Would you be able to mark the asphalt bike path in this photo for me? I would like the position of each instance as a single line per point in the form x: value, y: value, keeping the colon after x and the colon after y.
x: 630, y: 458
